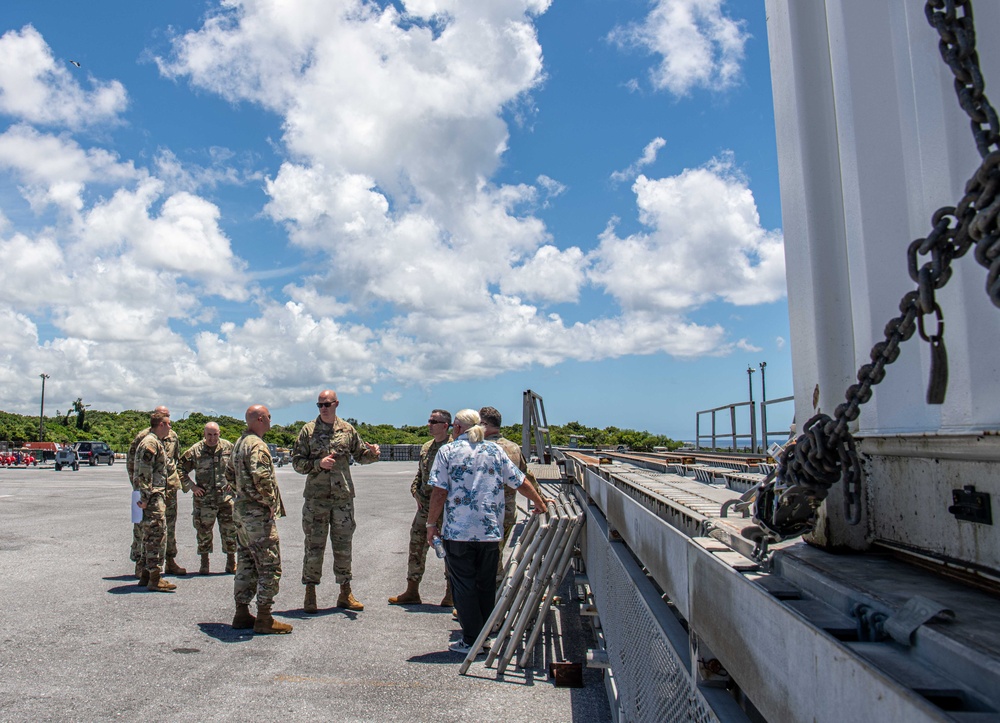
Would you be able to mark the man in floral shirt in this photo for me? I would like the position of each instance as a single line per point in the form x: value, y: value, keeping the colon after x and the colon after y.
x: 468, y: 477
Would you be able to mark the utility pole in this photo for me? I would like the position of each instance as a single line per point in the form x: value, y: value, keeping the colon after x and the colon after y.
x: 41, y: 412
x: 763, y: 407
x: 753, y: 411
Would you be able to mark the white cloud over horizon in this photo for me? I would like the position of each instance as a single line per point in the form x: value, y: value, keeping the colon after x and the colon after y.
x: 424, y: 268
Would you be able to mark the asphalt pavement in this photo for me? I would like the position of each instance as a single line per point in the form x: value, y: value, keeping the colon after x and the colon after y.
x: 82, y: 641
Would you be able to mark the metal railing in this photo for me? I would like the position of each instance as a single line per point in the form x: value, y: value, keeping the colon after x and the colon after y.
x: 732, y: 436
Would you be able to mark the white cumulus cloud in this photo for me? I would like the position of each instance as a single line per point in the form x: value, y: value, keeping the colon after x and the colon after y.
x: 704, y: 241
x: 37, y: 88
x: 698, y: 44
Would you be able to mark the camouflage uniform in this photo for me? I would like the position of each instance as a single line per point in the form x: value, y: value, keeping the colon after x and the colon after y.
x: 250, y: 472
x: 329, y: 494
x: 421, y: 492
x: 209, y: 466
x: 149, y: 476
x: 170, y: 447
x: 509, y: 493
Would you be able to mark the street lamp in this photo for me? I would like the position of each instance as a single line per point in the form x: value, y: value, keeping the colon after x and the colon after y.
x: 763, y: 406
x: 41, y: 412
x: 753, y: 415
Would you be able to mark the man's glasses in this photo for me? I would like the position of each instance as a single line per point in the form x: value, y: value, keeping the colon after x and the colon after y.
x: 436, y: 421
x: 324, y: 405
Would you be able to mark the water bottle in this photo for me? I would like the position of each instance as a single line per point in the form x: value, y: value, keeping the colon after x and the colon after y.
x: 438, y: 545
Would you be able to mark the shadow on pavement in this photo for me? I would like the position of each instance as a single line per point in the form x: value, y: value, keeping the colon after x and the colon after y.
x: 224, y: 633
x: 122, y: 578
x: 425, y: 608
x: 439, y: 657
x: 300, y: 614
x: 128, y: 589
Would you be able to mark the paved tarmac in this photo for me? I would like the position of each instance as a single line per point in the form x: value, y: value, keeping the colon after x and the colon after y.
x: 81, y: 641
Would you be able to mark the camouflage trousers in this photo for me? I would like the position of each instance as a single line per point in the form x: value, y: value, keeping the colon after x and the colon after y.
x: 258, y: 567
x: 417, y: 559
x: 207, y: 509
x: 154, y: 531
x: 136, y: 554
x: 322, y: 518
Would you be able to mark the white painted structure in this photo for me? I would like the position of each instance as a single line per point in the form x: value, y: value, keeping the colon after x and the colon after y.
x: 871, y: 141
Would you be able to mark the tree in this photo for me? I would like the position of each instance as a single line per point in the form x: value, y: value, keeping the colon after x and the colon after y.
x: 81, y: 413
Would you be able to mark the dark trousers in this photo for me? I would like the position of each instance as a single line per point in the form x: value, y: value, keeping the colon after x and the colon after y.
x: 472, y: 567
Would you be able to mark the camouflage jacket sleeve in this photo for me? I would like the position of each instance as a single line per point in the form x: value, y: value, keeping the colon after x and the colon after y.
x: 172, y: 450
x: 303, y: 461
x: 362, y: 453
x: 230, y: 472
x: 189, y: 460
x: 262, y: 473
x: 415, y: 484
x: 149, y: 473
x: 130, y: 456
x: 422, y: 468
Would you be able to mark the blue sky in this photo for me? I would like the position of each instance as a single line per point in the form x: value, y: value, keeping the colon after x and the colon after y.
x: 420, y: 204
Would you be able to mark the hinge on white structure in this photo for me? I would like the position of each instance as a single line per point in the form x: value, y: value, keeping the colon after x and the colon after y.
x: 598, y: 659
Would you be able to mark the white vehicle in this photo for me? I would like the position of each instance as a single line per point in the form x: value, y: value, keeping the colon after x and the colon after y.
x: 67, y: 457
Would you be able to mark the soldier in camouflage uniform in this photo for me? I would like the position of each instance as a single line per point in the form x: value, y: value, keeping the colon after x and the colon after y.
x: 258, y: 505
x: 438, y: 425
x: 149, y: 477
x: 491, y: 420
x: 172, y: 448
x: 213, y: 497
x: 323, y: 453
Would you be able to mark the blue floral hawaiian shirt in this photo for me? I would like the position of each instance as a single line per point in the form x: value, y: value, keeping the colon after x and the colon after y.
x: 474, y: 476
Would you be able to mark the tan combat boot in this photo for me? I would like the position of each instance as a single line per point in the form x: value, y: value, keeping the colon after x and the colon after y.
x: 205, y: 568
x: 309, y: 604
x: 230, y: 563
x: 144, y: 577
x: 410, y: 597
x: 243, y: 620
x: 347, y: 599
x: 446, y: 601
x: 156, y: 584
x: 173, y: 568
x: 266, y: 625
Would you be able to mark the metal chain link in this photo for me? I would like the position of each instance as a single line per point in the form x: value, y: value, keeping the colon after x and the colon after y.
x: 825, y: 452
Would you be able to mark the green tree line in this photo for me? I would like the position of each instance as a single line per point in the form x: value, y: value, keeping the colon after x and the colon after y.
x: 119, y: 428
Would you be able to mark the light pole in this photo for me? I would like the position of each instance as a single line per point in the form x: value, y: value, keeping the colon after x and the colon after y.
x: 763, y: 406
x: 41, y: 412
x: 753, y: 412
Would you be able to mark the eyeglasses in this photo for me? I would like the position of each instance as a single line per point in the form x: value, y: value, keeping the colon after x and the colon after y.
x: 324, y: 405
x: 436, y: 421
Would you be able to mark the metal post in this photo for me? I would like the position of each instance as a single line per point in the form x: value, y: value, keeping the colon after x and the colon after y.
x: 41, y: 412
x: 763, y: 407
x: 753, y: 415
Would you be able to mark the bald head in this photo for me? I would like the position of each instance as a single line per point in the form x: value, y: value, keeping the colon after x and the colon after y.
x: 162, y: 410
x: 327, y: 404
x: 258, y: 419
x: 211, y: 434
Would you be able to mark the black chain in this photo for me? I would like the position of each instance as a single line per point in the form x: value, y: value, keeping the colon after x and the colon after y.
x: 825, y: 452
